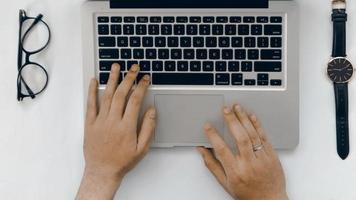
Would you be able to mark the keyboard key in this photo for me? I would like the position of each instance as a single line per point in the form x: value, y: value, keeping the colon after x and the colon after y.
x: 145, y: 66
x: 276, y: 82
x: 115, y: 29
x: 130, y: 63
x: 271, y: 54
x: 155, y: 19
x: 188, y: 53
x: 218, y: 29
x: 276, y: 19
x: 106, y: 65
x: 211, y: 42
x: 253, y: 54
x: 262, y: 19
x: 208, y: 19
x: 204, y: 29
x: 166, y: 29
x: 222, y: 79
x: 176, y: 54
x: 138, y: 54
x: 233, y: 66
x: 262, y: 79
x: 170, y: 66
x: 163, y: 54
x: 140, y: 76
x: 160, y: 41
x: 202, y: 54
x: 147, y: 41
x: 157, y: 66
x: 249, y: 19
x: 208, y: 66
x: 151, y: 53
x: 116, y: 19
x: 128, y: 29
x: 236, y: 41
x: 182, y: 66
x: 224, y: 42
x: 141, y: 29
x: 250, y: 42
x: 107, y: 42
x: 153, y: 29
x: 230, y: 29
x: 185, y: 41
x: 236, y: 79
x: 250, y: 82
x: 142, y: 19
x: 273, y: 29
x: 227, y: 54
x: 235, y: 19
x: 195, y: 66
x: 192, y: 29
x: 168, y: 19
x: 240, y: 54
x: 195, y: 19
x: 103, y: 29
x: 263, y: 42
x: 214, y: 54
x: 276, y: 42
x: 268, y: 66
x: 126, y: 54
x: 173, y: 42
x: 198, y: 42
x: 246, y: 66
x: 179, y: 29
x: 129, y: 19
x: 182, y: 79
x: 135, y: 41
x: 182, y: 19
x: 104, y: 77
x: 222, y: 19
x: 108, y: 53
x: 244, y: 29
x: 103, y: 19
x: 220, y: 66
x: 256, y: 30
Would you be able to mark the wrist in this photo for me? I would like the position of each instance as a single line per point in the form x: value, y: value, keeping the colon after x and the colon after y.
x: 103, y: 175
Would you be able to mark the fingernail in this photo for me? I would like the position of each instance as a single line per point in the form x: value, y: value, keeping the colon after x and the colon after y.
x: 253, y: 118
x: 152, y: 113
x: 115, y: 67
x: 227, y: 110
x: 238, y: 108
x: 146, y: 77
x: 93, y: 81
x: 207, y: 126
x: 134, y: 68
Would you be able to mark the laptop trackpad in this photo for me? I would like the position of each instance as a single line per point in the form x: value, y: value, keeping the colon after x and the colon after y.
x: 181, y: 118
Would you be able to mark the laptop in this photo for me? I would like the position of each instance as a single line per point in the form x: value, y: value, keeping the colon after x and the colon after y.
x: 201, y: 55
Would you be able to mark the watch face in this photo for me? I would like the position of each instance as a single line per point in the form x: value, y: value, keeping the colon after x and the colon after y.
x: 340, y: 70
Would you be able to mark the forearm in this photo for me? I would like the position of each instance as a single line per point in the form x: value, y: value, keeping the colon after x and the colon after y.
x: 98, y: 186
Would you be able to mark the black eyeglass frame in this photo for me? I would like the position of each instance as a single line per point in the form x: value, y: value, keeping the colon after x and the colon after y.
x: 21, y: 50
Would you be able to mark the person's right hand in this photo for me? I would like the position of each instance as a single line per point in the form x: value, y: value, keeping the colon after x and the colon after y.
x: 255, y: 173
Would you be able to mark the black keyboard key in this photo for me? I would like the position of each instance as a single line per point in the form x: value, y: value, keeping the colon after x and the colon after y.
x: 195, y: 66
x: 168, y: 19
x: 218, y: 30
x: 160, y: 41
x: 141, y: 29
x: 163, y: 54
x: 263, y: 42
x: 140, y: 76
x: 155, y: 19
x: 268, y: 66
x: 185, y: 41
x: 233, y: 66
x: 244, y: 29
x: 214, y: 54
x: 240, y: 54
x: 183, y: 79
x: 142, y: 19
x: 182, y: 19
x: 135, y: 41
x: 126, y: 54
x: 108, y: 53
x: 249, y: 19
x: 151, y: 54
x: 253, y: 54
x: 236, y: 41
x: 276, y: 82
x: 230, y: 30
x: 115, y: 29
x: 103, y: 29
x: 157, y: 66
x: 271, y: 54
x: 202, y: 54
x: 235, y: 19
x: 107, y: 42
x: 147, y: 41
x: 173, y: 42
x: 179, y: 29
x: 153, y: 29
x: 182, y: 66
x: 192, y: 29
x: 145, y: 66
x: 220, y: 66
x: 103, y: 19
x: 222, y: 19
x: 211, y: 42
x: 276, y: 20
x: 208, y: 19
x: 130, y: 64
x: 250, y: 82
x: 138, y: 54
x: 198, y: 42
x: 246, y: 66
x: 188, y: 53
x: 222, y: 79
x: 129, y: 19
x: 106, y: 65
x: 104, y: 77
x: 236, y: 79
x: 204, y: 29
x: 224, y: 42
x: 227, y: 54
x: 276, y: 42
x: 273, y: 29
x: 195, y: 19
x: 250, y: 42
x: 208, y: 66
x: 262, y: 19
x: 128, y: 29
x: 262, y: 79
x: 256, y: 30
x: 170, y: 66
x: 166, y: 29
x: 176, y: 54
x: 116, y: 19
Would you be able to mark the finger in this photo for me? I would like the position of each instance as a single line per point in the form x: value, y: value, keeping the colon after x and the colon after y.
x: 213, y: 165
x: 110, y: 90
x: 243, y: 142
x: 119, y: 101
x: 262, y: 134
x: 222, y: 151
x: 92, y: 106
x: 147, y: 131
x: 135, y: 102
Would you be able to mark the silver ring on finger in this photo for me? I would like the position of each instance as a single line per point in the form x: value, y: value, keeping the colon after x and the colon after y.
x: 257, y: 147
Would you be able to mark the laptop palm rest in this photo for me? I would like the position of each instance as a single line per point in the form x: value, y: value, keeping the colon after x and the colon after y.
x: 181, y: 118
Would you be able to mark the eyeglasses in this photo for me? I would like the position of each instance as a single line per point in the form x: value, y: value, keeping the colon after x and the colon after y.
x: 34, y: 36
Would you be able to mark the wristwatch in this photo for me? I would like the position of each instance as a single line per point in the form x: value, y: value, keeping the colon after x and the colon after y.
x: 340, y: 72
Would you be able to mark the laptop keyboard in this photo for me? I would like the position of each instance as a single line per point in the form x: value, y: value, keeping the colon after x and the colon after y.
x: 243, y: 51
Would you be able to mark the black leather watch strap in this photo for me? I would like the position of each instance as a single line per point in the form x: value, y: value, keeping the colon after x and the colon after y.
x: 342, y: 119
x: 339, y: 17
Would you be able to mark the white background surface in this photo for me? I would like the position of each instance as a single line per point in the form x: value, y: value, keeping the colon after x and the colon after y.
x: 41, y: 141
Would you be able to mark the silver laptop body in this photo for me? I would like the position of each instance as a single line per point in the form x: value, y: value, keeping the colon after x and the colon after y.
x: 182, y: 107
